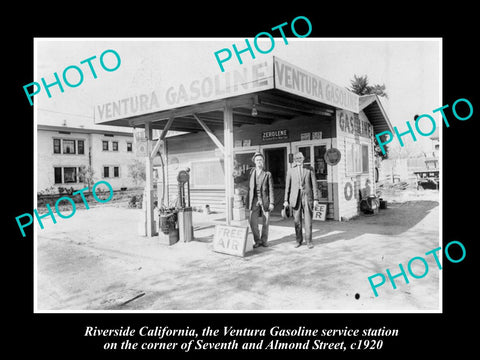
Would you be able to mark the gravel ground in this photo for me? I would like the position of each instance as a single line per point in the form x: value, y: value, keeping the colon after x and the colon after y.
x: 97, y: 261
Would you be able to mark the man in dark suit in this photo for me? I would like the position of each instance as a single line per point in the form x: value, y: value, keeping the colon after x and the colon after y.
x: 260, y: 200
x: 301, y: 194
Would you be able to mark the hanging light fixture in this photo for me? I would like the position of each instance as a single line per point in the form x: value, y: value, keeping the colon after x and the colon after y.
x: 254, y: 110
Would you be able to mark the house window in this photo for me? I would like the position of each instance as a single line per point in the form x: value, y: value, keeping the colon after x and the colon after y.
x: 58, y: 175
x: 106, y: 172
x: 69, y: 175
x: 129, y: 146
x: 56, y: 146
x: 105, y: 145
x: 116, y: 171
x: 69, y: 146
x: 81, y: 147
x: 115, y: 145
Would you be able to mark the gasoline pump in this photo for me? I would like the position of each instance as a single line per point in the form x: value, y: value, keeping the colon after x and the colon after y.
x: 185, y: 224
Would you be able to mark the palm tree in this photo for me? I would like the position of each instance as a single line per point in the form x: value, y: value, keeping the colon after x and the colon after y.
x: 360, y: 86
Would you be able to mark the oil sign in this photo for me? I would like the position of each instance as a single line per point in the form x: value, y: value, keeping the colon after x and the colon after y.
x: 231, y: 240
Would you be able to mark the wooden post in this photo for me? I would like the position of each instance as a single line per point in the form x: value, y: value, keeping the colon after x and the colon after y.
x: 228, y: 155
x: 149, y: 182
x: 210, y: 134
x: 162, y: 137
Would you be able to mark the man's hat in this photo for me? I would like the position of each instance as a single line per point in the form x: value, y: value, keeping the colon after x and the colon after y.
x: 286, y: 212
x: 257, y: 154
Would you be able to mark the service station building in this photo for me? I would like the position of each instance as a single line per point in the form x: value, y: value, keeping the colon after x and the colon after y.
x: 272, y: 107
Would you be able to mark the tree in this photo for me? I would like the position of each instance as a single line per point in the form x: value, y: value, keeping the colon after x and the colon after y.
x: 360, y: 86
x: 136, y: 170
x: 86, y: 174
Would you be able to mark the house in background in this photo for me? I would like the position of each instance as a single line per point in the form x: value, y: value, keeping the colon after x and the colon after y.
x: 432, y: 157
x: 63, y: 150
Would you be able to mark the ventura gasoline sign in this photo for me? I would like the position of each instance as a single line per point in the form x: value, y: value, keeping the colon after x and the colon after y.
x: 247, y: 79
x: 265, y: 75
x: 294, y: 80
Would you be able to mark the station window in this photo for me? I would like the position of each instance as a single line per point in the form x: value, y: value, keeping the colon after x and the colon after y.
x: 129, y: 146
x: 357, y: 158
x: 116, y: 171
x: 364, y: 158
x: 106, y: 172
x: 115, y: 145
x: 242, y: 165
x: 208, y: 173
x: 105, y: 145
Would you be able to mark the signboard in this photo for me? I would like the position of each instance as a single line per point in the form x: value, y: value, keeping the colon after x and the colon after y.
x: 350, y: 123
x: 332, y: 156
x: 141, y: 147
x: 246, y: 79
x: 231, y: 240
x: 316, y: 135
x: 183, y: 177
x: 304, y: 136
x: 320, y: 212
x: 294, y: 80
x: 272, y: 135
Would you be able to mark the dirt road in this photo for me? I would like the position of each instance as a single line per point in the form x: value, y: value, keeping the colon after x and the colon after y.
x: 97, y: 261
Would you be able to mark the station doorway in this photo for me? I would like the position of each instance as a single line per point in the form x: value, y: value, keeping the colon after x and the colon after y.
x: 276, y: 162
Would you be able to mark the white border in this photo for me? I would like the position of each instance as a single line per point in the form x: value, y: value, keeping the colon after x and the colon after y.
x: 344, y: 311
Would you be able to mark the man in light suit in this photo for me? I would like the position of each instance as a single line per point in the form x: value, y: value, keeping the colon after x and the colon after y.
x: 260, y: 200
x: 301, y: 194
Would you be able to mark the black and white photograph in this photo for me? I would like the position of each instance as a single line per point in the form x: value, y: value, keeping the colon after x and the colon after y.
x: 269, y: 174
x: 215, y: 180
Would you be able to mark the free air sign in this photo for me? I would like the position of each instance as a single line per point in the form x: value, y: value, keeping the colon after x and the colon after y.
x: 231, y: 240
x: 320, y: 212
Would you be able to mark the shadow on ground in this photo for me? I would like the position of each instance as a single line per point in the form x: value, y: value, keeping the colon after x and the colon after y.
x: 394, y: 220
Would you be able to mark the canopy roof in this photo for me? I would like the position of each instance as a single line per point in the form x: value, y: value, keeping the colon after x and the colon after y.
x: 373, y: 109
x: 259, y: 94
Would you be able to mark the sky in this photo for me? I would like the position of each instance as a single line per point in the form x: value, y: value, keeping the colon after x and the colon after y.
x: 410, y: 69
